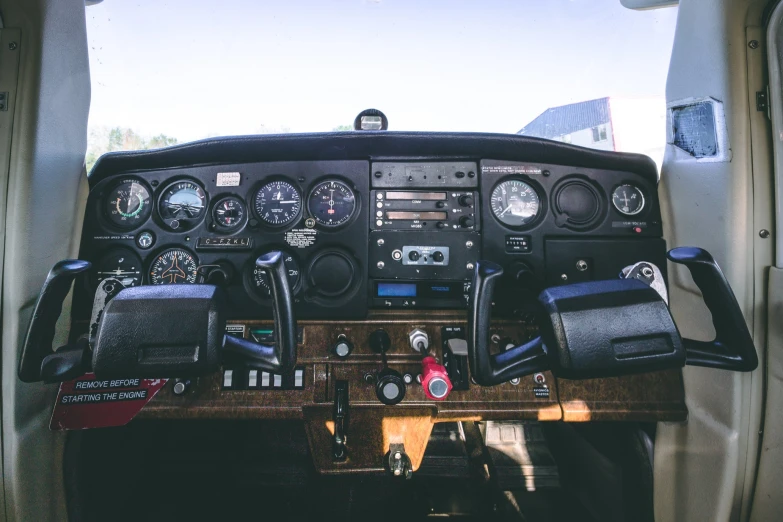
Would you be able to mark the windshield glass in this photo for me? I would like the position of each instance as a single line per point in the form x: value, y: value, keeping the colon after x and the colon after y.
x: 587, y: 72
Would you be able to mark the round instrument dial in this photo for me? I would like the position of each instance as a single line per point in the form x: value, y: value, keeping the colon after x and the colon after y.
x: 259, y: 280
x: 628, y: 200
x: 278, y: 203
x: 128, y: 204
x: 331, y: 203
x: 229, y: 212
x: 174, y: 266
x: 182, y: 205
x: 515, y: 203
x: 121, y: 264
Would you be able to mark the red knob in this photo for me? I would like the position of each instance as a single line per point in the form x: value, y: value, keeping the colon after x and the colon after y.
x: 435, y: 379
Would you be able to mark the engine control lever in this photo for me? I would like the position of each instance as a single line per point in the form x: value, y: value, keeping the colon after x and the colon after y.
x: 41, y: 331
x: 279, y: 357
x: 340, y: 417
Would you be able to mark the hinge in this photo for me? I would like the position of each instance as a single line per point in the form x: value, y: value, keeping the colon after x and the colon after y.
x: 762, y: 101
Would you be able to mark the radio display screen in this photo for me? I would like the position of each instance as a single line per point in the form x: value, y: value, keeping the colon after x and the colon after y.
x: 396, y: 290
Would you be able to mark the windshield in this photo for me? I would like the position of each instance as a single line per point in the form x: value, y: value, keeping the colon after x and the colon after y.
x: 587, y: 72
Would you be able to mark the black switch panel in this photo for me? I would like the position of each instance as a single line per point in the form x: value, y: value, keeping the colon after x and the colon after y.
x: 456, y: 365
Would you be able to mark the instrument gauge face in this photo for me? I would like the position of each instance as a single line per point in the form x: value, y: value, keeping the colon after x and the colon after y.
x: 173, y: 267
x: 278, y: 203
x: 331, y: 203
x: 128, y: 204
x: 259, y: 280
x: 229, y: 212
x: 515, y: 203
x: 121, y: 264
x: 628, y: 200
x: 182, y: 205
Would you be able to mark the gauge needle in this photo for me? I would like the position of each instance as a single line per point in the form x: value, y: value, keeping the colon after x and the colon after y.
x: 506, y: 210
x: 288, y: 202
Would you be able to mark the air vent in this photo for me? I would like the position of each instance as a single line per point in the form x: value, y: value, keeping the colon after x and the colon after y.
x: 577, y: 204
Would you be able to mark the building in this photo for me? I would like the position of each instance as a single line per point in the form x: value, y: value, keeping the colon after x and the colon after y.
x: 618, y: 124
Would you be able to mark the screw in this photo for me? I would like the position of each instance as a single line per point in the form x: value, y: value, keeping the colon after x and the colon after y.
x: 469, y: 266
x: 763, y: 233
x: 564, y: 277
x: 469, y: 244
x: 380, y: 242
x: 378, y: 174
x: 12, y: 46
x: 381, y: 264
x: 647, y: 271
x: 546, y: 173
x: 753, y: 44
x: 515, y: 381
x: 154, y: 182
x: 581, y: 265
x: 397, y: 456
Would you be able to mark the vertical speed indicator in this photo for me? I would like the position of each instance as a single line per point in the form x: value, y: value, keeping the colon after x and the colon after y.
x: 515, y: 203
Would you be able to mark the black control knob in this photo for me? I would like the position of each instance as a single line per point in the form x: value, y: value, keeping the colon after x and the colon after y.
x: 466, y: 201
x: 414, y: 255
x: 343, y: 347
x: 390, y: 387
x: 440, y: 224
x: 379, y: 341
x: 466, y: 221
x: 437, y: 256
x: 440, y: 204
x: 525, y: 276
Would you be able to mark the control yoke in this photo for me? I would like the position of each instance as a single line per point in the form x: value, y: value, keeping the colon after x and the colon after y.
x: 609, y: 328
x: 153, y: 331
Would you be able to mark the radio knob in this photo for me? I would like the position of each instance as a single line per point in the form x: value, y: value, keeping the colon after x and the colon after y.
x: 440, y: 224
x: 466, y: 221
x: 414, y: 255
x: 437, y: 256
x: 466, y: 201
x: 440, y: 204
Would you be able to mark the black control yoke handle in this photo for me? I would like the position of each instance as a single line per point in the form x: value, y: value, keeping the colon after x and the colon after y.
x: 732, y: 348
x: 41, y: 331
x: 280, y: 357
x: 490, y: 369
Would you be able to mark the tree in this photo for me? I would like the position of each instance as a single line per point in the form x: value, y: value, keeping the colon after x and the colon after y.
x: 102, y: 140
x: 343, y: 128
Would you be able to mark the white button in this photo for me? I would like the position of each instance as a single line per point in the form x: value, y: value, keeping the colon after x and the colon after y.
x: 278, y: 381
x: 228, y: 378
x: 264, y: 379
x: 299, y: 378
x: 252, y: 378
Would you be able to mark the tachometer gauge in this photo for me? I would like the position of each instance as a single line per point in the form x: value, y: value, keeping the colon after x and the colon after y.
x: 278, y: 203
x: 182, y: 205
x: 229, y: 212
x: 515, y: 203
x: 259, y: 281
x: 628, y: 200
x: 174, y: 266
x: 128, y: 204
x: 331, y: 203
x: 121, y: 264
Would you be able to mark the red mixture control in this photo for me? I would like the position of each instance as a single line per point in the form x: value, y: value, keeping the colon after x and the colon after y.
x: 434, y: 379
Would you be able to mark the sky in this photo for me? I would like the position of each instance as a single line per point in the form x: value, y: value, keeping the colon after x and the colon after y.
x: 192, y: 69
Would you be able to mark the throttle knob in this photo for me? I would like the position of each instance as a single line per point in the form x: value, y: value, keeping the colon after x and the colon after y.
x: 435, y: 379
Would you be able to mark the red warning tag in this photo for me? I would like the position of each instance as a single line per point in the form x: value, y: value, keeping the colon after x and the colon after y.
x: 89, y: 403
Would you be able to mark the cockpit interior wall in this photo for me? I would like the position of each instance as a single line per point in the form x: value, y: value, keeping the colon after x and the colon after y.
x: 47, y: 150
x: 704, y: 469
